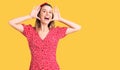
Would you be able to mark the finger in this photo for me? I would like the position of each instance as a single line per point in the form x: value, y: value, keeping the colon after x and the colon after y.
x: 56, y: 10
x: 52, y: 19
x: 37, y: 7
x: 38, y: 18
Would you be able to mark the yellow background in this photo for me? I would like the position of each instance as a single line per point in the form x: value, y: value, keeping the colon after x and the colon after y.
x: 95, y: 47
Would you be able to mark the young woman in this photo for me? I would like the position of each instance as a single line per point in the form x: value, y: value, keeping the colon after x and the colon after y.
x: 43, y: 38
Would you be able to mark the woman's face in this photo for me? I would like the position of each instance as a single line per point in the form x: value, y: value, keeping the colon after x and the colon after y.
x: 46, y: 14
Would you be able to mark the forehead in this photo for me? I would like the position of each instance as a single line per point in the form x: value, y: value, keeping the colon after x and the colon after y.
x: 46, y: 8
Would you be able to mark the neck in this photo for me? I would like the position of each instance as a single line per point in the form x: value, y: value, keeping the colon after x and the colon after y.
x: 43, y: 28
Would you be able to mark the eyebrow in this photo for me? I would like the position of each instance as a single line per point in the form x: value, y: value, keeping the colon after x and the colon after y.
x: 45, y: 9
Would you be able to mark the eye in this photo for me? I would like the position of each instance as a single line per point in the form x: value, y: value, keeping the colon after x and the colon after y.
x: 44, y: 11
x: 50, y: 12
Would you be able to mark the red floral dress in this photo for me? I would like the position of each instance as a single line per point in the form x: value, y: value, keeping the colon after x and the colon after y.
x: 43, y: 51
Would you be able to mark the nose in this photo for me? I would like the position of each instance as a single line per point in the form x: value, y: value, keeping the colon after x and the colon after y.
x: 47, y: 13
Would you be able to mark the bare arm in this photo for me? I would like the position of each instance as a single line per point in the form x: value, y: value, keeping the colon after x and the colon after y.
x: 72, y: 26
x: 16, y: 23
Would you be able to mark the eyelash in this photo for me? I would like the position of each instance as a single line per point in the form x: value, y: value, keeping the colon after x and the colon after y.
x: 50, y: 12
x: 45, y: 11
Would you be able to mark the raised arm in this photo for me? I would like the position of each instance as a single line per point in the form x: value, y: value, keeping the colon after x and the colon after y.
x: 72, y: 26
x: 16, y: 23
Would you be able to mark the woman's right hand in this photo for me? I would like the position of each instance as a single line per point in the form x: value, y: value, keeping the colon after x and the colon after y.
x: 35, y: 11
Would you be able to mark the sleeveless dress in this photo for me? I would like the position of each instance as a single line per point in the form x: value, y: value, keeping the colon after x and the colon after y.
x: 43, y: 51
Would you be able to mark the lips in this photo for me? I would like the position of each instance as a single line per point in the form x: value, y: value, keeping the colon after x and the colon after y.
x: 46, y: 18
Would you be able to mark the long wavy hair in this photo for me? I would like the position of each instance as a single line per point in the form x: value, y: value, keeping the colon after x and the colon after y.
x: 38, y: 22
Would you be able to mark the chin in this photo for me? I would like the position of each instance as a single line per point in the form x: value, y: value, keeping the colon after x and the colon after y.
x: 47, y: 22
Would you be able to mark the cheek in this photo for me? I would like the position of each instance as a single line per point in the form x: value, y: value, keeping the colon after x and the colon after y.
x: 41, y: 15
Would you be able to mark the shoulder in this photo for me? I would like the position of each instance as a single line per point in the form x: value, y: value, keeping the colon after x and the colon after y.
x: 60, y: 31
x: 27, y: 28
x: 59, y: 28
x: 28, y: 25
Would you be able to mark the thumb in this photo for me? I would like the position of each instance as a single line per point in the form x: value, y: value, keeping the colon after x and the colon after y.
x: 38, y: 18
x: 53, y: 19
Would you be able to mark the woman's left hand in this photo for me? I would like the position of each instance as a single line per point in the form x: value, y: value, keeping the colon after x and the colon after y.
x: 56, y: 13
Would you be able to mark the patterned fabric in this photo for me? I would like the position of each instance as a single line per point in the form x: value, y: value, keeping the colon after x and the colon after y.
x: 43, y: 51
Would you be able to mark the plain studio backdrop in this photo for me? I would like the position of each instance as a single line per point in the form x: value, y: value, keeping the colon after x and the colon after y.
x: 95, y: 47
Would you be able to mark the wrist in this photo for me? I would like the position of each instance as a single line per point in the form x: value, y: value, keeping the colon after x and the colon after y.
x: 29, y: 16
